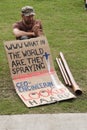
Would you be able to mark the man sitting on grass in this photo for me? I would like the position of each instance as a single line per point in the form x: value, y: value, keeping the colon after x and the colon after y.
x: 28, y: 27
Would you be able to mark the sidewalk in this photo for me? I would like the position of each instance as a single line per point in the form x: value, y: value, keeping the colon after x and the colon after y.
x: 61, y: 121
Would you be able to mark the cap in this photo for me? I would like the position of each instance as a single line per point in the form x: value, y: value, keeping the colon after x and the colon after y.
x: 28, y: 10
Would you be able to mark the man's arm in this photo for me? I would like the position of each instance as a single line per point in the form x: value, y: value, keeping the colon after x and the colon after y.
x: 19, y: 33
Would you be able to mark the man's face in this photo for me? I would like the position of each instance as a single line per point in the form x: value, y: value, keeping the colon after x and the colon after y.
x: 28, y: 19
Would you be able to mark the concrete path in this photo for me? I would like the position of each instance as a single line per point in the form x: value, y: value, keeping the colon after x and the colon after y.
x: 67, y: 121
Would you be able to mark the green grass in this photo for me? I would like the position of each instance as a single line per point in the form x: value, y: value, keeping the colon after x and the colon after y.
x: 65, y: 26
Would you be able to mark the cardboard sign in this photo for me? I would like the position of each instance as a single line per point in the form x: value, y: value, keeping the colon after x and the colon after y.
x: 33, y: 73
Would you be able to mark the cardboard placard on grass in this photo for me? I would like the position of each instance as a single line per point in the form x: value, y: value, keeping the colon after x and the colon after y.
x: 33, y: 73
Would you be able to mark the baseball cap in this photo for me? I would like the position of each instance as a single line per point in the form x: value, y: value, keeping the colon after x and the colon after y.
x: 27, y: 10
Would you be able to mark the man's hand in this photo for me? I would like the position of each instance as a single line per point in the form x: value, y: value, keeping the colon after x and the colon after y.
x: 36, y: 29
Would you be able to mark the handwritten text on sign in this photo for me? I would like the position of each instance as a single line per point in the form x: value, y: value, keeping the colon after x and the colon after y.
x: 40, y: 93
x: 25, y: 58
x: 34, y: 64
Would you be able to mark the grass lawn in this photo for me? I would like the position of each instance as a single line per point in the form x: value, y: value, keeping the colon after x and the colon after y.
x: 65, y: 26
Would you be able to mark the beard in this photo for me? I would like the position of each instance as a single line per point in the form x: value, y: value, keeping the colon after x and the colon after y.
x: 28, y: 22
